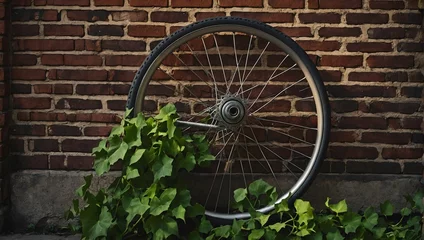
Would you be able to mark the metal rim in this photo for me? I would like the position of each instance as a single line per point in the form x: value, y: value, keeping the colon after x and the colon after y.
x: 271, y: 39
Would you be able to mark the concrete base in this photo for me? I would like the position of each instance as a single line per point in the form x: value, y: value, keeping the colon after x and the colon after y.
x: 41, y: 197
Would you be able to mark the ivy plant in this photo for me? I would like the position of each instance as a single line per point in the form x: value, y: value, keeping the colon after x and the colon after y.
x: 150, y: 200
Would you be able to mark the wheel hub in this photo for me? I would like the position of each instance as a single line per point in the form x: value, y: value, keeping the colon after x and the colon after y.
x: 232, y: 111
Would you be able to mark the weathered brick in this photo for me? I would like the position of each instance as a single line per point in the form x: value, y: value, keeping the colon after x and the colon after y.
x: 146, y: 31
x: 78, y: 145
x: 148, y: 3
x: 402, y: 153
x: 237, y: 3
x: 83, y: 60
x: 89, y: 16
x: 341, y: 61
x: 24, y: 59
x: 362, y: 123
x: 369, y: 47
x: 123, y: 45
x: 44, y: 45
x: 408, y: 18
x: 191, y: 3
x: 339, y: 32
x: 385, y: 137
x: 28, y: 130
x: 108, y: 2
x: 390, y: 61
x: 390, y: 4
x: 362, y: 18
x: 133, y: 16
x: 25, y: 30
x: 287, y: 3
x: 97, y: 131
x: 105, y: 30
x: 319, y: 17
x: 400, y: 107
x: 266, y: 17
x: 351, y: 152
x: 64, y: 30
x: 169, y: 17
x: 204, y: 15
x: 78, y: 104
x: 64, y: 130
x: 373, y: 167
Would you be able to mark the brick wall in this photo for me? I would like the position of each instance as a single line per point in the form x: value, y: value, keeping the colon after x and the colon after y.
x: 73, y: 62
x: 5, y: 110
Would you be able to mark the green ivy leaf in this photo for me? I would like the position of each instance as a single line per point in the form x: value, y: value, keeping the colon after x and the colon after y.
x: 184, y: 197
x: 179, y: 212
x: 195, y: 210
x: 283, y: 206
x: 340, y: 207
x: 222, y: 231
x: 100, y: 147
x: 277, y: 226
x: 101, y: 166
x: 205, y: 225
x: 95, y: 225
x: 159, y: 205
x: 188, y: 162
x: 378, y: 232
x: 263, y: 219
x: 371, y: 219
x: 132, y: 173
x: 240, y: 194
x: 386, y: 208
x: 405, y: 211
x: 204, y: 159
x: 117, y: 131
x: 161, y: 227
x: 134, y: 206
x: 335, y: 235
x: 351, y: 221
x: 315, y: 236
x: 270, y: 234
x: 256, y: 234
x: 302, y: 206
x: 162, y: 167
x: 236, y: 227
x: 137, y: 156
x: 418, y: 200
x: 259, y: 187
x: 87, y: 183
x: 119, y: 154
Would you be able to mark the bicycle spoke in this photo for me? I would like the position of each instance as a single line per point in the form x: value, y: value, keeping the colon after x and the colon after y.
x: 285, y: 123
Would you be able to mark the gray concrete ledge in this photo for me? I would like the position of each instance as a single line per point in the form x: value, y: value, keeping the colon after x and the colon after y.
x: 43, y: 196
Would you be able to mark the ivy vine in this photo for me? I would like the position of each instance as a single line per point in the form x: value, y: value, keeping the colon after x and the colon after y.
x: 150, y: 200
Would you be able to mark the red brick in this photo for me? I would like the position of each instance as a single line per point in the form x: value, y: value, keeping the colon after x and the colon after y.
x: 133, y: 16
x: 373, y: 167
x: 410, y: 47
x: 339, y: 32
x: 407, y: 18
x: 123, y: 45
x: 63, y: 89
x: 390, y: 33
x: 21, y: 88
x: 43, y: 88
x: 390, y: 4
x: 76, y: 145
x: 412, y: 123
x: 369, y: 47
x: 64, y: 130
x: 44, y: 145
x: 361, y: 91
x: 296, y: 31
x: 146, y: 31
x: 32, y: 162
x: 204, y: 15
x: 390, y: 61
x: 78, y: 104
x: 52, y: 59
x: 108, y: 2
x: 23, y: 15
x: 312, y: 45
x: 287, y: 3
x: 57, y: 162
x: 148, y: 3
x: 330, y: 75
x: 399, y: 107
x: 68, y: 3
x: 402, y: 153
x: 362, y: 123
x: 44, y: 45
x: 83, y: 60
x: 341, y: 61
x: 169, y: 17
x: 362, y: 18
x: 266, y: 17
x: 124, y: 60
x: 88, y: 16
x: 378, y: 77
x: 28, y: 130
x: 344, y: 106
x: 342, y: 4
x: 319, y: 17
x: 121, y: 75
x: 102, y: 89
x: 28, y: 74
x: 412, y: 92
x: 105, y: 30
x: 119, y: 105
x: 386, y: 137
x: 64, y: 30
x: 24, y: 59
x: 25, y: 30
x: 191, y: 3
x: 97, y: 131
x: 80, y: 162
x: 238, y: 3
x: 32, y: 103
x: 21, y: 3
x: 84, y: 75
x: 351, y: 152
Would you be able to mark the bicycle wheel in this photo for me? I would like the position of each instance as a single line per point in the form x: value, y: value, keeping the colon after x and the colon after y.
x: 255, y: 94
